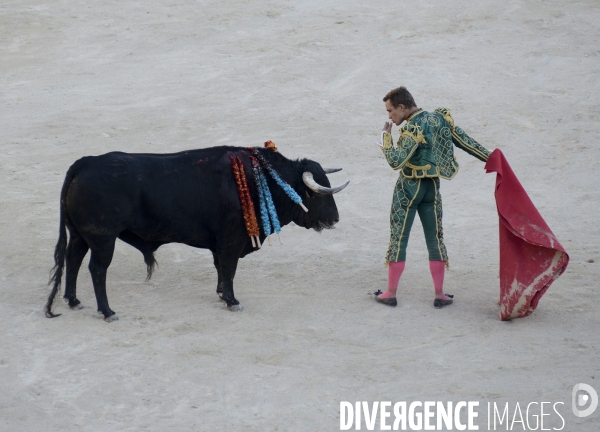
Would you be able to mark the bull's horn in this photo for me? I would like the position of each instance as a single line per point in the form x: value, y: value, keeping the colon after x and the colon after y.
x: 331, y: 170
x: 309, y: 181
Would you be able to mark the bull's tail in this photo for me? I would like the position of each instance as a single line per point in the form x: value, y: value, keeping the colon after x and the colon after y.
x: 150, y: 263
x: 61, y: 246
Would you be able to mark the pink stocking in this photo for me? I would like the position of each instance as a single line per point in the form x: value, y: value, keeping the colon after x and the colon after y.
x: 437, y: 269
x: 395, y: 270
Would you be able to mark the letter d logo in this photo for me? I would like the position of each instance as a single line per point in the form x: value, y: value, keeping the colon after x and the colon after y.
x: 580, y: 400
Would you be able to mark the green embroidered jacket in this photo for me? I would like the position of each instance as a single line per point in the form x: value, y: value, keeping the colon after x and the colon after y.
x: 426, y: 146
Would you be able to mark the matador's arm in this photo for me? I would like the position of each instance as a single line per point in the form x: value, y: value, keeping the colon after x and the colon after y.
x: 468, y: 144
x: 464, y: 141
x: 398, y: 156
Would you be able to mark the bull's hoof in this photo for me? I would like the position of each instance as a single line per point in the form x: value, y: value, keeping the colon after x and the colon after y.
x: 111, y: 318
x: 73, y: 304
x: 236, y: 308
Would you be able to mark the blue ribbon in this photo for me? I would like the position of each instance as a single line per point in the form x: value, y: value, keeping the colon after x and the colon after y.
x: 268, y: 214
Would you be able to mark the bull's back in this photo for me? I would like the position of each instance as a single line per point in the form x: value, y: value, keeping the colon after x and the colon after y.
x: 160, y: 197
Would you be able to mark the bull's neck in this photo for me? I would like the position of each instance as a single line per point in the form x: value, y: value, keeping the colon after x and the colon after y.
x: 286, y: 208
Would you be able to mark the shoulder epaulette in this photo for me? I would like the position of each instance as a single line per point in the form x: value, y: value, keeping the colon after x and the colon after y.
x: 445, y: 112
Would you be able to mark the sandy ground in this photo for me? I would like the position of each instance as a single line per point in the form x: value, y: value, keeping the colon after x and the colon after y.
x: 87, y: 77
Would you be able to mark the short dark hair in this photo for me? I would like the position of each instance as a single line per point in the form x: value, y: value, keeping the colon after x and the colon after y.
x: 400, y: 96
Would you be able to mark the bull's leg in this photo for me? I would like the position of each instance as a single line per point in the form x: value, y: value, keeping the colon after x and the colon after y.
x: 228, y: 266
x: 219, y: 279
x: 99, y: 261
x: 76, y: 250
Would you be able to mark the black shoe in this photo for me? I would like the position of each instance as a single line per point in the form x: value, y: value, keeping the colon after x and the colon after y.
x: 389, y: 302
x: 440, y: 303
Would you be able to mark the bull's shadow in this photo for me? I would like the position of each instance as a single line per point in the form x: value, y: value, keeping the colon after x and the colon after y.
x: 191, y: 197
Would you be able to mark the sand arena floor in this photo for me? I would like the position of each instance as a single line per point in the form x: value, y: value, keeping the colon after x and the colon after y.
x: 88, y: 77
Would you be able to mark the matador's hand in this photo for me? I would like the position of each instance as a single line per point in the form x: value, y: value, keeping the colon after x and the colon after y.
x: 387, y: 127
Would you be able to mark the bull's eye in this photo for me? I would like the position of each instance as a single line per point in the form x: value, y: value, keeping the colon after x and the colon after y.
x: 307, y: 194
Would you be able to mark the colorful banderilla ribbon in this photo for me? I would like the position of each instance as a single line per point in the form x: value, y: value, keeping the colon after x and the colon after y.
x: 268, y: 214
x: 246, y: 200
x: 286, y: 187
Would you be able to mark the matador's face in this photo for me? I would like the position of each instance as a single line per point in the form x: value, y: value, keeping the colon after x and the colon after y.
x: 396, y: 115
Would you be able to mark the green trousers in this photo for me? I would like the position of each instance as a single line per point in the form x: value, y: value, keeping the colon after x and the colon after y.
x: 411, y: 196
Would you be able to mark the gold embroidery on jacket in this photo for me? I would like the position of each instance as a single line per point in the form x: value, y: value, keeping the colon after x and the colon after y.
x: 473, y: 147
x: 387, y: 140
x: 413, y: 131
x: 426, y: 167
x: 445, y: 112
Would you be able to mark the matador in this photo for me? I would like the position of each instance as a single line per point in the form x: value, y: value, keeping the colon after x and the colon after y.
x: 424, y: 154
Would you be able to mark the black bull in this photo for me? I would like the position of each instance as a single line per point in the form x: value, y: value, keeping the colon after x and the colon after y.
x: 148, y: 200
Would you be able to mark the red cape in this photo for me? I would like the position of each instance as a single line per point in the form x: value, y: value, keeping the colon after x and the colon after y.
x: 531, y: 257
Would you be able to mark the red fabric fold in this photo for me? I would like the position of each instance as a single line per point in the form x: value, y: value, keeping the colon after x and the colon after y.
x: 531, y: 257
